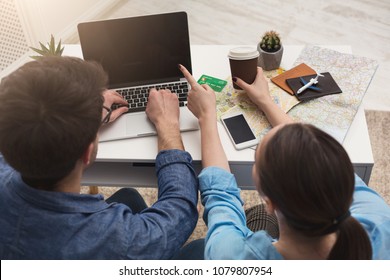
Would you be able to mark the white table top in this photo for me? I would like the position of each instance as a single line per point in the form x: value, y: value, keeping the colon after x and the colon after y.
x: 212, y: 60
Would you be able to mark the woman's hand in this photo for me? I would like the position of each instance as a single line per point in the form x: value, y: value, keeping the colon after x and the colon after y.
x: 201, y: 98
x: 258, y: 91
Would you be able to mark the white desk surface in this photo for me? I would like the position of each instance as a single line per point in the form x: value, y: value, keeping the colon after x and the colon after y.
x: 211, y: 60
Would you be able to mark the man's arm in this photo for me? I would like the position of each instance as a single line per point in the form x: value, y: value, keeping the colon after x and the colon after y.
x: 163, y: 111
x: 160, y: 230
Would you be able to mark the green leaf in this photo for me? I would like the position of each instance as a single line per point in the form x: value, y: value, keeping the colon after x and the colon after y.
x: 41, y: 52
x: 50, y: 49
x: 58, y: 50
x: 35, y: 56
x: 44, y: 48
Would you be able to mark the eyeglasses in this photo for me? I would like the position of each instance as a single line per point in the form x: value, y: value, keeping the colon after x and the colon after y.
x: 106, y: 119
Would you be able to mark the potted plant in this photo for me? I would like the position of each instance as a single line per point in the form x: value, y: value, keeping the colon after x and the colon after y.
x: 50, y: 50
x: 271, y: 50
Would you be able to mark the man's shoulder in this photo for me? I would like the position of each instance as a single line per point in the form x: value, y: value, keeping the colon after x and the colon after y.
x: 6, y: 172
x: 4, y: 166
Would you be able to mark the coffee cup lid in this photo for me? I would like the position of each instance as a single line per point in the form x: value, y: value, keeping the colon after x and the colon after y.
x: 243, y: 53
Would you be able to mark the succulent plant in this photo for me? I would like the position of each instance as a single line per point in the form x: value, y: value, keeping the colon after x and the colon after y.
x: 270, y: 41
x: 50, y: 50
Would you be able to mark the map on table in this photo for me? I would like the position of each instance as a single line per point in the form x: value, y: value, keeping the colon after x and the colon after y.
x: 333, y: 113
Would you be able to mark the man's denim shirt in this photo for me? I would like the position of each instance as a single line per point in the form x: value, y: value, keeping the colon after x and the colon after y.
x: 36, y: 224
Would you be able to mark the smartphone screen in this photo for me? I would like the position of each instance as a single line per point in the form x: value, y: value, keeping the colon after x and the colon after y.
x: 239, y: 129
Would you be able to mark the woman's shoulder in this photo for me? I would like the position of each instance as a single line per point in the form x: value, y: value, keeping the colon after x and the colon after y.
x: 261, y: 243
x: 254, y: 246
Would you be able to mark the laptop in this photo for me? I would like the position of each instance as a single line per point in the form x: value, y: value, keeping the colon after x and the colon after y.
x: 140, y: 53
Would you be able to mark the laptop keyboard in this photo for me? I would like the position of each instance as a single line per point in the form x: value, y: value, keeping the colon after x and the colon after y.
x: 137, y: 97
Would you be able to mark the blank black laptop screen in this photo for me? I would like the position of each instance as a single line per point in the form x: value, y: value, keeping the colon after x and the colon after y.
x: 138, y: 50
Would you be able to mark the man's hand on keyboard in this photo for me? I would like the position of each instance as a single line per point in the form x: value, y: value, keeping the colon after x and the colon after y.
x: 163, y: 111
x: 163, y: 108
x: 111, y: 97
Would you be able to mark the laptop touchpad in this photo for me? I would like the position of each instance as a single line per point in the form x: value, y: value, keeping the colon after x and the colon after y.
x: 139, y: 125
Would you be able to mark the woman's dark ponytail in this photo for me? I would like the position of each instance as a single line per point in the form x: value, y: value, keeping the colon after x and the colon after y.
x: 352, y: 242
x: 308, y: 175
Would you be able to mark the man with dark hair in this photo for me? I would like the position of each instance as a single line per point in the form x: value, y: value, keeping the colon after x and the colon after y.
x: 50, y: 113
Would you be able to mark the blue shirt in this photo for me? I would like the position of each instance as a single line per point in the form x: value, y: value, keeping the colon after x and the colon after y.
x: 37, y: 224
x: 229, y: 238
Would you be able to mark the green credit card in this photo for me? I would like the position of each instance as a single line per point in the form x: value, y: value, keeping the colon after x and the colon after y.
x: 214, y: 83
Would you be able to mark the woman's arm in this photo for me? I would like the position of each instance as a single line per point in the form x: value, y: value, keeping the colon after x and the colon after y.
x: 201, y: 102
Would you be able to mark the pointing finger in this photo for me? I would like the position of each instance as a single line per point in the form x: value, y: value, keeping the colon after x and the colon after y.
x: 188, y: 76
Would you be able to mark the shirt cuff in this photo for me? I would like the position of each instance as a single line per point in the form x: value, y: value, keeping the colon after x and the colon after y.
x: 217, y: 178
x: 167, y: 157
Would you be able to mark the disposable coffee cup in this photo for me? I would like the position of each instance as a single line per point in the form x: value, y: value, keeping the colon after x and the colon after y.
x: 243, y: 64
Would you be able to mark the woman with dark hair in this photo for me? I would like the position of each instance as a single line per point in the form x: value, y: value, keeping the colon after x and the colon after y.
x: 305, y: 177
